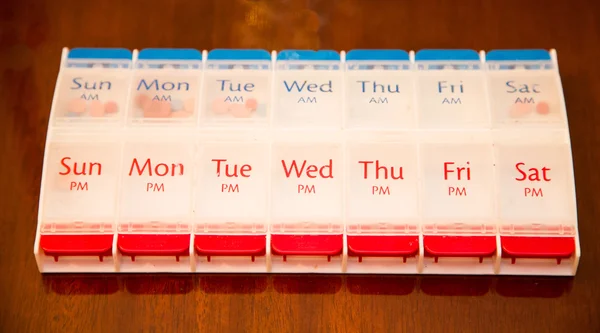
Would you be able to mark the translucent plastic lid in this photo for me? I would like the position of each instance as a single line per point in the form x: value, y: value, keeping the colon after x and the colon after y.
x: 165, y: 87
x: 306, y: 186
x: 232, y: 184
x: 451, y: 89
x: 157, y: 183
x: 92, y: 88
x: 535, y: 184
x: 382, y: 185
x: 308, y: 89
x: 80, y: 185
x: 237, y: 87
x: 457, y: 182
x: 379, y: 90
x: 525, y: 89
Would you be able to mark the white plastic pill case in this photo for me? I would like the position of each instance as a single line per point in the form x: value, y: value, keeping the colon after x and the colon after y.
x: 300, y: 161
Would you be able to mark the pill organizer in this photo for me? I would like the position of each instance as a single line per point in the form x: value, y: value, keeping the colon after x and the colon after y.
x: 300, y: 161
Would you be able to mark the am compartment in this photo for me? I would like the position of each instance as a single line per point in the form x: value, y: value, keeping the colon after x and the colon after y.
x: 306, y: 202
x: 165, y: 87
x: 537, y: 204
x: 237, y: 87
x: 156, y: 202
x: 451, y: 90
x: 458, y: 201
x: 382, y: 203
x: 308, y: 89
x: 231, y: 202
x: 92, y: 87
x: 78, y: 203
x: 379, y: 90
x: 525, y: 89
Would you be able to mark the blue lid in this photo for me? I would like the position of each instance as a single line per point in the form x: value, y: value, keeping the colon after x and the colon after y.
x: 391, y: 55
x: 99, y: 53
x: 308, y: 55
x: 518, y: 55
x: 446, y: 55
x: 239, y: 54
x: 170, y: 54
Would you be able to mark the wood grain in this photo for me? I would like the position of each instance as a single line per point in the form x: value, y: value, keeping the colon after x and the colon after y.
x: 32, y: 34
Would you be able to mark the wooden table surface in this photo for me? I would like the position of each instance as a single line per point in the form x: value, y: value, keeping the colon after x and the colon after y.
x: 32, y: 33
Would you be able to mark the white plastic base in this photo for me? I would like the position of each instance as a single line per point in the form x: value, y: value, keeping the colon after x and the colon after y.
x: 231, y: 264
x: 460, y: 266
x: 308, y: 264
x: 538, y: 267
x: 301, y: 264
x: 76, y: 265
x: 371, y: 265
x: 315, y: 149
x: 151, y: 264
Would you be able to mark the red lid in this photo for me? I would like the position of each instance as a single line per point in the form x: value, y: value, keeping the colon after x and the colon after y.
x: 537, y: 247
x: 307, y: 245
x: 383, y: 246
x: 231, y: 245
x: 77, y: 245
x: 154, y: 245
x: 459, y: 246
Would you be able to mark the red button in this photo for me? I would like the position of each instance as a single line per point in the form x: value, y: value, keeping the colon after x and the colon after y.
x: 537, y: 247
x: 459, y: 246
x: 383, y: 246
x: 77, y: 245
x: 154, y: 245
x: 231, y: 245
x: 307, y: 245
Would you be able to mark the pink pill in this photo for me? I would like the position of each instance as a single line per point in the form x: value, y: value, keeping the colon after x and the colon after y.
x: 157, y: 109
x: 240, y: 111
x: 219, y: 106
x: 519, y: 110
x: 111, y: 107
x: 189, y: 105
x: 251, y: 104
x: 542, y: 108
x: 76, y: 105
x: 165, y: 109
x: 141, y: 100
x: 96, y: 109
x: 151, y: 109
